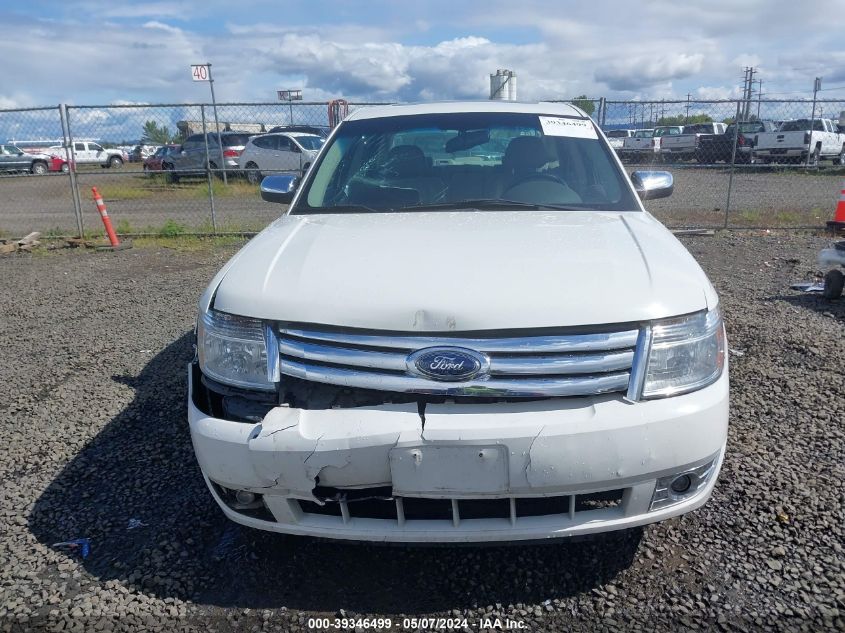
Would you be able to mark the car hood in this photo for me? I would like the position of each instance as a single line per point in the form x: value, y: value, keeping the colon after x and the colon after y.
x: 463, y: 271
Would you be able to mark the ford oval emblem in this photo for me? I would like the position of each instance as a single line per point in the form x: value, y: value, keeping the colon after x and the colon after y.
x: 447, y: 363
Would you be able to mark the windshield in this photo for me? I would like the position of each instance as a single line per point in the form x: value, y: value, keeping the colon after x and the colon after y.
x: 465, y: 160
x: 643, y: 133
x: 667, y: 131
x: 310, y: 142
x: 802, y: 125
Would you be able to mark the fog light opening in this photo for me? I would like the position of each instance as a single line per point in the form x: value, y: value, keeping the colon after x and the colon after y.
x: 245, y: 497
x: 681, y: 484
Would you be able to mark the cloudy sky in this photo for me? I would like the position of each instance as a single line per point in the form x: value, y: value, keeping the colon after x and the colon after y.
x: 91, y: 52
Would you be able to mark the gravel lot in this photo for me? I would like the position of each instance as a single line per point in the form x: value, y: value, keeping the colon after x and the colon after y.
x: 760, y: 197
x: 92, y: 388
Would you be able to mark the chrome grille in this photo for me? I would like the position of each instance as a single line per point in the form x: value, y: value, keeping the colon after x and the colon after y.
x: 530, y: 366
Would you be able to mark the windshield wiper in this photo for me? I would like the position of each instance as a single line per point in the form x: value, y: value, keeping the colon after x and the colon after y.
x: 489, y: 203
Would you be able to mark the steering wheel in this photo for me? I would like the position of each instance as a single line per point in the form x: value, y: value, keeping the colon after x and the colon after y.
x: 535, y: 176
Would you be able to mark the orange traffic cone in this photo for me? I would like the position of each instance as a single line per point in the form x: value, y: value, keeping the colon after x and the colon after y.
x: 838, y: 221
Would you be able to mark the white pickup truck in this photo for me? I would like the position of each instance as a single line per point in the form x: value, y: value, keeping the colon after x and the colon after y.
x: 684, y: 146
x: 90, y: 153
x: 640, y: 146
x: 801, y: 140
x: 430, y: 348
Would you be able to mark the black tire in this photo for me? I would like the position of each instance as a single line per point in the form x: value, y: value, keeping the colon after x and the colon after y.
x: 813, y: 160
x: 253, y: 174
x: 840, y: 160
x: 213, y: 167
x: 39, y: 168
x: 65, y: 168
x: 115, y: 162
x: 170, y: 176
x: 834, y: 281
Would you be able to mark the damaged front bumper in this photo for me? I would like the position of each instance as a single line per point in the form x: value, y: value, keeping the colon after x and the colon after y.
x: 465, y: 472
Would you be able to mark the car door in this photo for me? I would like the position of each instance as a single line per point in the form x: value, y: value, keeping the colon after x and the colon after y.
x: 288, y: 154
x: 7, y: 160
x: 262, y: 152
x: 192, y: 156
x: 97, y: 153
x: 80, y: 153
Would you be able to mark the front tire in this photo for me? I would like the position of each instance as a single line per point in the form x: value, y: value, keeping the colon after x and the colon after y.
x: 253, y: 174
x: 813, y: 161
x: 115, y: 162
x: 834, y: 281
x: 39, y: 168
x: 65, y: 168
x: 170, y: 175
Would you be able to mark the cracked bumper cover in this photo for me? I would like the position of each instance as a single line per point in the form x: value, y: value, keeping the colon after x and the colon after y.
x: 550, y: 447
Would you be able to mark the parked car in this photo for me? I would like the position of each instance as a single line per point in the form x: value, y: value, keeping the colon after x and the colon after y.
x: 142, y: 152
x: 426, y: 348
x: 57, y: 163
x: 712, y: 149
x: 319, y: 130
x: 685, y: 146
x: 191, y: 160
x: 89, y: 153
x: 617, y: 137
x: 155, y: 162
x: 637, y: 145
x: 279, y: 152
x: 13, y: 159
x: 802, y: 140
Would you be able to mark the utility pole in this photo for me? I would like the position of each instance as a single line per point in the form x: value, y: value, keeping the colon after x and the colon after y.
x: 759, y: 96
x: 686, y: 118
x: 747, y: 90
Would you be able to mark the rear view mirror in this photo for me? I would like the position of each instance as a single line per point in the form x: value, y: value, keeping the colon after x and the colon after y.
x: 279, y: 188
x: 653, y: 184
x: 467, y: 140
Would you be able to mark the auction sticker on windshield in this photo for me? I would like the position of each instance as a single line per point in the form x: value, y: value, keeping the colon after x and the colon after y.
x: 561, y: 126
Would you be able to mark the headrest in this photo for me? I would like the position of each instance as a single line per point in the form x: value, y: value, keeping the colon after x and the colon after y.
x: 404, y: 161
x: 525, y: 153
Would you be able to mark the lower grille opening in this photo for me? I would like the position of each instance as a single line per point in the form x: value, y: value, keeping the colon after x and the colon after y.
x: 541, y: 506
x: 427, y: 509
x: 598, y: 500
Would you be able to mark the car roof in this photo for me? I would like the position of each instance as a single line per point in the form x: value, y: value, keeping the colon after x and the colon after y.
x: 448, y: 107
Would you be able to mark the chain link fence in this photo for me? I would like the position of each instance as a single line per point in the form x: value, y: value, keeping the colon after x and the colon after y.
x: 165, y: 169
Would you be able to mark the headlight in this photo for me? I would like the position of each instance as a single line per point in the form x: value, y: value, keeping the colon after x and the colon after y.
x: 232, y: 350
x: 687, y: 353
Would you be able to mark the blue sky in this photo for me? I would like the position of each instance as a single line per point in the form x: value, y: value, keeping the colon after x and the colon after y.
x: 91, y: 52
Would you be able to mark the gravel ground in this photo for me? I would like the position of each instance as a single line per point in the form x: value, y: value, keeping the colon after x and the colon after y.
x: 92, y: 388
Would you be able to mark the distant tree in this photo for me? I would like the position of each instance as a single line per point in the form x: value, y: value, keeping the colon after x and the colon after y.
x: 585, y: 103
x: 680, y: 119
x: 155, y: 134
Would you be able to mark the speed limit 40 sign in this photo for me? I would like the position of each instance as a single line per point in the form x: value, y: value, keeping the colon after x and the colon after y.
x: 200, y: 72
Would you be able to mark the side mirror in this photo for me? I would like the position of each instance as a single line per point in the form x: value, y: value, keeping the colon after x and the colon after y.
x: 279, y: 188
x: 653, y: 184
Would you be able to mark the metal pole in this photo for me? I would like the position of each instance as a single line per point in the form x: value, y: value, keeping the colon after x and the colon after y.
x: 759, y: 96
x: 816, y: 86
x: 290, y: 105
x: 208, y: 173
x: 733, y: 162
x: 603, y: 110
x: 68, y: 141
x: 217, y: 125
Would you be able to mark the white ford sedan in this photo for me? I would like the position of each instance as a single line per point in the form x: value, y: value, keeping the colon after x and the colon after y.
x: 464, y: 328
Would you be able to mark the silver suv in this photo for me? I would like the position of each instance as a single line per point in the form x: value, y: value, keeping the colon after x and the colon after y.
x: 191, y: 160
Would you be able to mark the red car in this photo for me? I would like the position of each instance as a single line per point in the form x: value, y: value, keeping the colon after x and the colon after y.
x: 154, y: 163
x: 57, y: 163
